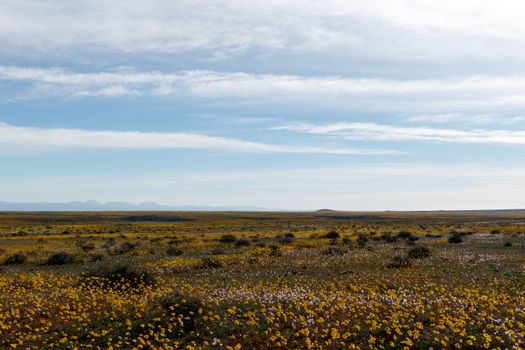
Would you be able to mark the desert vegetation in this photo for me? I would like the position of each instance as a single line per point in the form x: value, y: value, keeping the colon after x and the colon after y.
x: 262, y: 280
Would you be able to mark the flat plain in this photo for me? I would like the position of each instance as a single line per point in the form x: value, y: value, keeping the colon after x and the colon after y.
x: 265, y: 280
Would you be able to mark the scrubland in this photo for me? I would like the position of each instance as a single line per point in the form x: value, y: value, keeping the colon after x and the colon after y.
x: 322, y: 280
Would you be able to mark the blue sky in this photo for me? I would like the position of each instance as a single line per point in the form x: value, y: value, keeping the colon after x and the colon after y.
x: 282, y: 104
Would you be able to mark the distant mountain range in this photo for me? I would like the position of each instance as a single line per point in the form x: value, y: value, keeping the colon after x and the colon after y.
x: 92, y: 205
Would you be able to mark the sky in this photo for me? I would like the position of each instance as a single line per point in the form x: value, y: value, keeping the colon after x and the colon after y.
x: 298, y: 105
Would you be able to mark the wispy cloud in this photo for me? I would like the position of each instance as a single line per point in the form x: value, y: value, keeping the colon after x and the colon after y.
x: 467, y: 119
x: 379, y: 132
x: 228, y: 119
x: 31, y: 137
x: 480, y: 90
x: 436, y: 118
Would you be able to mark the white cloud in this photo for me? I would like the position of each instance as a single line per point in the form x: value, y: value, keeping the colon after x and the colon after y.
x: 436, y: 118
x: 467, y: 119
x: 31, y: 137
x: 475, y: 90
x: 405, y: 29
x: 378, y: 132
x: 110, y: 91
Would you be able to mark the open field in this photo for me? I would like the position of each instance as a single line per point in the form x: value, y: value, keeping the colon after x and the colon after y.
x: 331, y: 280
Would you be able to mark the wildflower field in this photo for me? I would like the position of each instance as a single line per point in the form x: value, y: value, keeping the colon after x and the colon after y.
x: 321, y: 280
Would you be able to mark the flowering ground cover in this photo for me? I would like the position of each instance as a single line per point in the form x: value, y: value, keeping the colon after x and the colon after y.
x: 322, y: 280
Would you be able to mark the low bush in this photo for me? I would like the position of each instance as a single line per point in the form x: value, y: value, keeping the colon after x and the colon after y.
x: 87, y: 247
x: 210, y: 263
x: 15, y: 259
x: 455, y: 237
x: 228, y: 239
x: 60, y: 258
x: 109, y: 243
x: 332, y: 234
x: 404, y: 234
x: 408, y: 236
x: 275, y: 251
x: 399, y: 262
x: 334, y: 251
x: 252, y: 260
x: 285, y: 240
x: 388, y: 238
x: 362, y: 240
x: 122, y: 275
x: 174, y: 251
x: 96, y: 257
x: 242, y: 242
x: 218, y: 251
x: 419, y: 253
x: 126, y: 247
x: 187, y: 306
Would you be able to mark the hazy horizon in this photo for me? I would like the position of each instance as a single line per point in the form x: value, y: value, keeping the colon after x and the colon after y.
x: 97, y: 206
